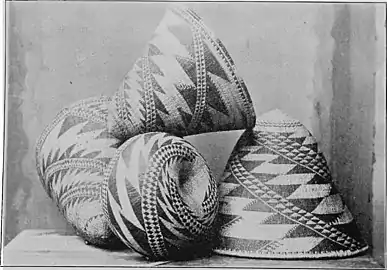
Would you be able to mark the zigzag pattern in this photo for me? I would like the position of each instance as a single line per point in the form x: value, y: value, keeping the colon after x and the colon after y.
x: 148, y: 211
x: 276, y: 205
x: 184, y: 84
x: 174, y: 231
x: 72, y: 154
x: 71, y: 195
x: 285, y: 207
x: 298, y: 150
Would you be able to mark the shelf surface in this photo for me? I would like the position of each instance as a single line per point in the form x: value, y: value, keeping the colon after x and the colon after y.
x: 37, y: 248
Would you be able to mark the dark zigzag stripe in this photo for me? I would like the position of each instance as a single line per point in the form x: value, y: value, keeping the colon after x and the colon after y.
x: 225, y: 219
x: 251, y: 165
x: 162, y: 212
x: 206, y: 119
x: 241, y: 192
x: 283, y: 190
x: 160, y: 125
x: 327, y: 246
x: 230, y: 179
x: 135, y: 201
x: 263, y: 177
x: 79, y: 196
x: 278, y: 218
x: 92, y: 155
x: 154, y: 69
x: 301, y: 169
x: 105, y: 135
x: 138, y: 234
x: 67, y: 153
x: 262, y: 150
x: 53, y: 179
x: 154, y: 148
x: 55, y: 158
x: 153, y: 50
x: 159, y: 105
x: 78, y: 154
x: 335, y: 239
x: 69, y: 122
x: 299, y: 140
x: 301, y: 231
x: 91, y: 126
x: 117, y: 228
x: 281, y: 160
x: 189, y: 93
x: 212, y: 64
x: 242, y: 244
x: 258, y: 206
x: 186, y: 118
x: 307, y: 204
x: 313, y: 147
x: 147, y: 137
x: 214, y: 98
x: 112, y: 186
x: 166, y: 142
x: 189, y: 67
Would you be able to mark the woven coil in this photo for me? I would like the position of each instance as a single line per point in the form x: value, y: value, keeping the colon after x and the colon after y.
x: 277, y: 198
x: 159, y: 196
x: 72, y: 154
x: 185, y: 83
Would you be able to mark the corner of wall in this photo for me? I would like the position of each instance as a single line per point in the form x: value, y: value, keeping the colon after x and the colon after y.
x: 353, y: 110
x: 379, y: 160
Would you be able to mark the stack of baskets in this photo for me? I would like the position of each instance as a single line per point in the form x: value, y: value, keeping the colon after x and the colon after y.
x: 122, y: 174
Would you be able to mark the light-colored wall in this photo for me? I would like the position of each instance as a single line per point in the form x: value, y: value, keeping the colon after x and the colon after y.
x: 379, y: 166
x: 315, y: 62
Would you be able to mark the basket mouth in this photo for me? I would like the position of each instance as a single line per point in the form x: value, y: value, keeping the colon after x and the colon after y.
x: 192, y: 179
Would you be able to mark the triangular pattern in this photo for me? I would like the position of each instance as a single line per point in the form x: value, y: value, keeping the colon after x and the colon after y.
x: 90, y: 126
x: 214, y: 97
x: 71, y: 154
x: 279, y: 164
x: 193, y: 79
x: 69, y: 122
x: 149, y: 207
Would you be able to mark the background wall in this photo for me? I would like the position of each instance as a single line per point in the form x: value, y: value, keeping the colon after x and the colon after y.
x: 316, y: 62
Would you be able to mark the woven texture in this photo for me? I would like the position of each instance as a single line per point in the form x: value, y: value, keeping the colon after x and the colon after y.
x: 71, y: 155
x: 277, y: 198
x: 185, y: 83
x: 159, y: 196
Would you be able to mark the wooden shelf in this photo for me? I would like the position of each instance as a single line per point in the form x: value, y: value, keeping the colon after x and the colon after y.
x: 37, y: 248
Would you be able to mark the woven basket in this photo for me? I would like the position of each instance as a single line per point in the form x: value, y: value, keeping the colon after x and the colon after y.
x: 277, y: 198
x: 159, y: 196
x: 185, y: 83
x: 71, y: 156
